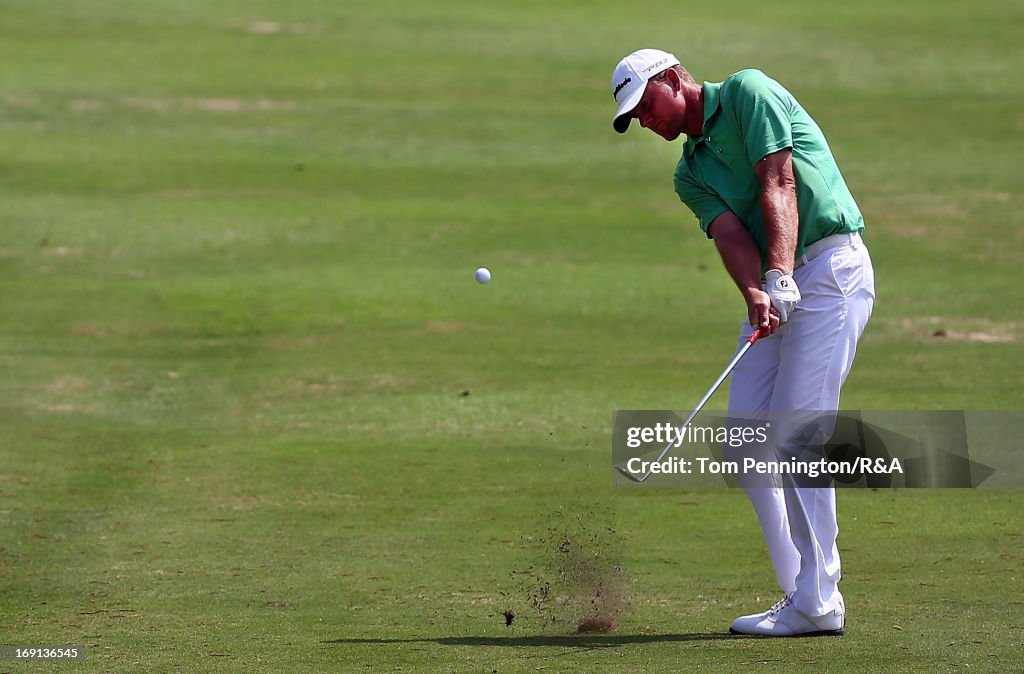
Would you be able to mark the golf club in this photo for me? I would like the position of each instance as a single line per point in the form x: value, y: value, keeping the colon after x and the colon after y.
x: 757, y: 334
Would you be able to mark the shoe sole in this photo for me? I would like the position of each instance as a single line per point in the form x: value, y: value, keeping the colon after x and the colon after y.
x: 820, y: 633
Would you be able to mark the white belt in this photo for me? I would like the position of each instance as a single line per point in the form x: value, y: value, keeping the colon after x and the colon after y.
x: 828, y: 243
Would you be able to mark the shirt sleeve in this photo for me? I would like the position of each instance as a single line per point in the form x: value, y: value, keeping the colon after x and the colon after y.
x: 763, y: 110
x: 706, y: 205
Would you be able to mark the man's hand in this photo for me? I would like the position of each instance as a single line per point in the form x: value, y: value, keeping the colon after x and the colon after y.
x: 760, y: 311
x: 782, y: 291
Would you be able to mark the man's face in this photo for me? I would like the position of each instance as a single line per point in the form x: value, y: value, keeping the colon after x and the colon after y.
x: 661, y: 108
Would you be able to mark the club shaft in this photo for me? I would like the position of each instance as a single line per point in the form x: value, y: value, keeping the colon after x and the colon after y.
x: 707, y: 396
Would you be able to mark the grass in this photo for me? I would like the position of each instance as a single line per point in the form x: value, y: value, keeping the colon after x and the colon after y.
x: 238, y: 325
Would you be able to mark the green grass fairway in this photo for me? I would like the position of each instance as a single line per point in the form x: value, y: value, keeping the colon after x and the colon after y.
x: 256, y: 415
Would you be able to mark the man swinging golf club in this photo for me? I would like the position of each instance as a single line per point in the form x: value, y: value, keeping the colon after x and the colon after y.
x: 758, y: 174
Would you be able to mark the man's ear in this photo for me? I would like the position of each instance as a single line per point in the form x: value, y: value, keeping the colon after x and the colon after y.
x: 672, y: 78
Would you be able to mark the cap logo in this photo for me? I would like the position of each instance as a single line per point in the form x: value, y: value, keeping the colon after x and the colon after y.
x: 655, y: 65
x: 618, y: 87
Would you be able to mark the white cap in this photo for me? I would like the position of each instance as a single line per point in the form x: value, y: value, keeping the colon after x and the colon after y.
x: 630, y: 79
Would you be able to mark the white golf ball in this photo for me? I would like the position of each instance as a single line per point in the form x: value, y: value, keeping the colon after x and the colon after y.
x: 483, y: 275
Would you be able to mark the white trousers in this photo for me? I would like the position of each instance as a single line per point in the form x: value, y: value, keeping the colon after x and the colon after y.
x: 802, y: 368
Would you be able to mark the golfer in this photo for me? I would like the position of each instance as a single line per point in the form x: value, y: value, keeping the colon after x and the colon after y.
x: 758, y: 174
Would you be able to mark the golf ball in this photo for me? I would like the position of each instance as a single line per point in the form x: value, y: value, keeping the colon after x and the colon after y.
x: 483, y: 275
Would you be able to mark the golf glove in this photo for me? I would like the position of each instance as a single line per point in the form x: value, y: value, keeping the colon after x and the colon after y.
x: 782, y: 290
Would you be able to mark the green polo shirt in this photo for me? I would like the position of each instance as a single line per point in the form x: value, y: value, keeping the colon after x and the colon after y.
x: 746, y: 117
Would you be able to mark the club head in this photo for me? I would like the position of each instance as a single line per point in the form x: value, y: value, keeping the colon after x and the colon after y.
x: 630, y: 476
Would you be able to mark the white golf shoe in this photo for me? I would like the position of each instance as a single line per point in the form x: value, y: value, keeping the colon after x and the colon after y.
x: 784, y: 620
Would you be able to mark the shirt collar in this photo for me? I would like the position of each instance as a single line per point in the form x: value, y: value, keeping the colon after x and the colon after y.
x: 711, y: 90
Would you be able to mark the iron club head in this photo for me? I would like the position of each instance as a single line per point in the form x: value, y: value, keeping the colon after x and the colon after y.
x: 630, y: 476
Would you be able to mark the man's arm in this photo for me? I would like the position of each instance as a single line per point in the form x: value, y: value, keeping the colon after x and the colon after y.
x: 781, y: 225
x: 779, y: 208
x: 743, y: 262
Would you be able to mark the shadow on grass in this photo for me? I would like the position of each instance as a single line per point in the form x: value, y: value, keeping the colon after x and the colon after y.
x: 582, y: 641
